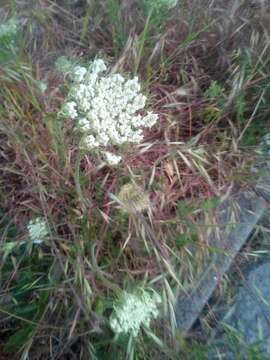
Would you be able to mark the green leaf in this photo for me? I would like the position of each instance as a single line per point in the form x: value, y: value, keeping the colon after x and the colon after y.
x: 100, y: 307
x: 184, y: 208
x: 24, y: 309
x: 182, y: 240
x: 210, y: 203
x: 19, y: 339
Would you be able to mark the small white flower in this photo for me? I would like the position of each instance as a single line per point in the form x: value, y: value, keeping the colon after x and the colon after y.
x: 98, y: 66
x: 90, y: 142
x: 37, y: 230
x: 134, y: 310
x: 9, y: 28
x: 150, y: 119
x: 42, y: 85
x: 84, y: 124
x: 79, y: 73
x: 70, y: 109
x: 112, y: 159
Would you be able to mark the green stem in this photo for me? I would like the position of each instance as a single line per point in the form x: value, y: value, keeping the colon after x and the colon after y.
x: 142, y: 42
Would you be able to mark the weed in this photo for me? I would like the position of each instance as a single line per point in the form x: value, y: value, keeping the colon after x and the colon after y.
x: 141, y: 223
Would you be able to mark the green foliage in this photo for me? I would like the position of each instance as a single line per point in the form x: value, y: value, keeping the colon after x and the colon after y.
x: 255, y: 133
x: 117, y: 23
x: 190, y: 350
x: 234, y: 344
x: 216, y: 92
x: 159, y: 10
x: 251, y: 90
x: 29, y: 295
x: 19, y: 339
x: 212, y: 114
x: 28, y: 289
x: 240, y: 107
x: 64, y: 65
x: 9, y: 36
x: 210, y: 204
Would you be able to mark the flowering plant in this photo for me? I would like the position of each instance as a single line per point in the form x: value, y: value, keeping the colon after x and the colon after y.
x: 38, y: 230
x: 134, y: 310
x: 106, y: 107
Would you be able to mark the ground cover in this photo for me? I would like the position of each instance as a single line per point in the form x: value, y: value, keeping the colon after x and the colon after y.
x: 80, y: 232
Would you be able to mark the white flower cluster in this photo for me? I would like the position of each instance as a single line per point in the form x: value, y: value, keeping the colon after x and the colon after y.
x: 9, y: 28
x: 134, y: 310
x: 106, y: 107
x: 38, y: 230
x: 111, y: 158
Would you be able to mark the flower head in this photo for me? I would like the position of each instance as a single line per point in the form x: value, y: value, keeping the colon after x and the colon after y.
x: 133, y: 198
x: 112, y: 159
x: 79, y: 73
x: 70, y: 109
x: 106, y: 107
x: 38, y: 230
x: 134, y: 310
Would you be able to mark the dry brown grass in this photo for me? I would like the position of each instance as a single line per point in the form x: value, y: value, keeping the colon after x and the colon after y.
x: 186, y: 163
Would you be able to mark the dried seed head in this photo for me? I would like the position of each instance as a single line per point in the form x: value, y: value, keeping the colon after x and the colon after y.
x: 133, y: 198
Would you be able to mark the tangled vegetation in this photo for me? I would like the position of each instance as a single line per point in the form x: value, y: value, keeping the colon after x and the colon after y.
x: 100, y: 213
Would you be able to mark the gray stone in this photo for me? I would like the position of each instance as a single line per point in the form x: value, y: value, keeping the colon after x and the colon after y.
x: 251, y: 315
x: 243, y: 212
x: 236, y: 218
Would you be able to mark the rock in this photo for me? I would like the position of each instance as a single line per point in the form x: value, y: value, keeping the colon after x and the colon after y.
x: 236, y: 219
x: 251, y: 315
